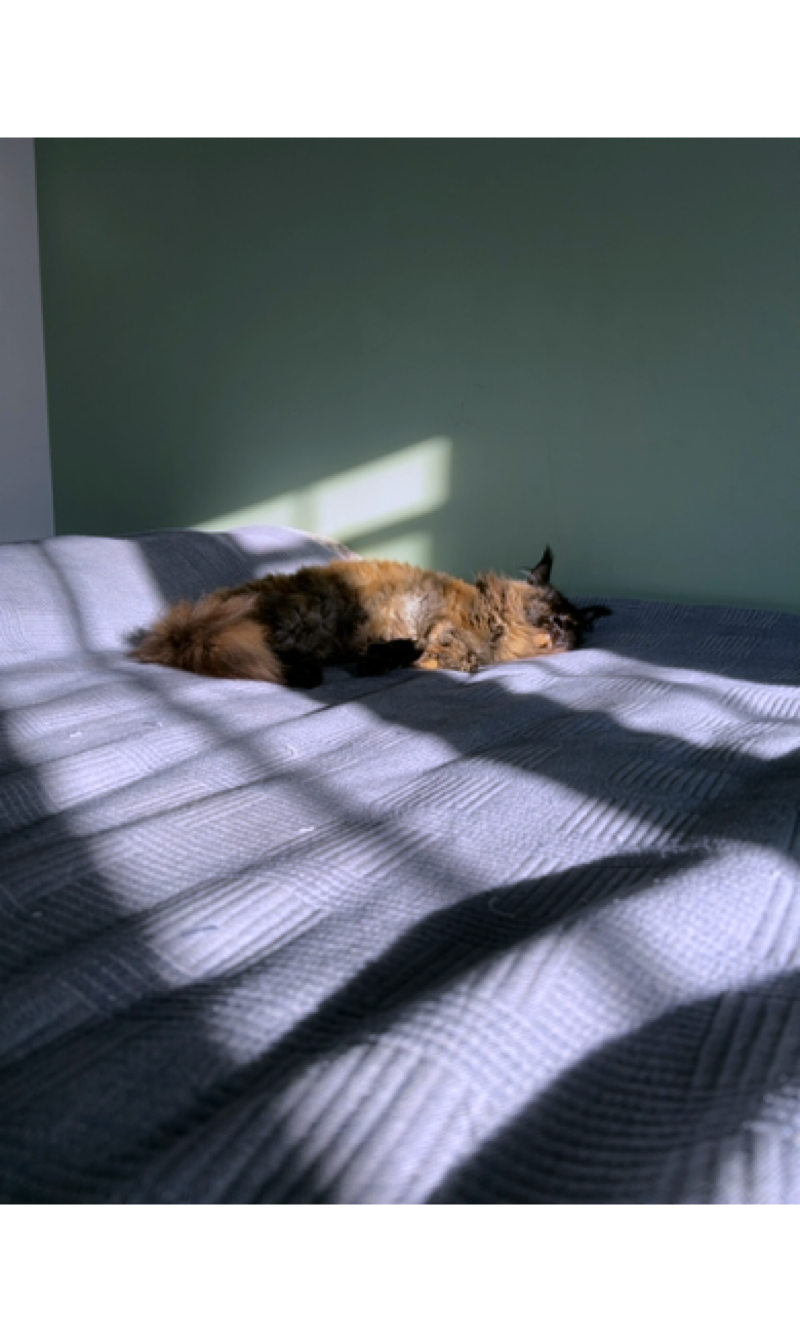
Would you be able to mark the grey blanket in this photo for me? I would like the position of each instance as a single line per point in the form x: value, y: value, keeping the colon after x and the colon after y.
x: 527, y: 936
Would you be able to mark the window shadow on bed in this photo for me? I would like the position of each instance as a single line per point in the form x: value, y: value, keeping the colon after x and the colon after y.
x: 436, y: 954
x: 746, y: 796
x: 759, y: 646
x: 190, y: 566
x: 646, y: 1118
x: 698, y: 794
x: 87, y: 1069
x: 100, y: 1060
x: 440, y: 950
x: 130, y: 1096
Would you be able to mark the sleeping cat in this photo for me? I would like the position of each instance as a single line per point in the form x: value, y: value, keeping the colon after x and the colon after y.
x: 380, y: 614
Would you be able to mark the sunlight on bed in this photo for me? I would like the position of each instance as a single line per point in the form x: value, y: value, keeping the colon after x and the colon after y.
x: 723, y: 713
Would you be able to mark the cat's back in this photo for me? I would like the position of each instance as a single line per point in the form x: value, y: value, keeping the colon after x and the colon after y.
x: 347, y: 604
x: 377, y: 580
x: 399, y: 600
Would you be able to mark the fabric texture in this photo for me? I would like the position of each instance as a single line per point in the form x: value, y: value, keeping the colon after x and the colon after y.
x: 531, y: 935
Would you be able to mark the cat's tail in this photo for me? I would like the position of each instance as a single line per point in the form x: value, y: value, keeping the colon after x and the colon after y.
x: 215, y: 636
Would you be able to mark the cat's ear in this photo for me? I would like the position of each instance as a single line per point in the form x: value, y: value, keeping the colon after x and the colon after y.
x: 540, y: 576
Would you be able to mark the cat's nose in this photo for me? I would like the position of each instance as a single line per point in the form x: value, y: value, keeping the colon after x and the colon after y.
x: 565, y: 634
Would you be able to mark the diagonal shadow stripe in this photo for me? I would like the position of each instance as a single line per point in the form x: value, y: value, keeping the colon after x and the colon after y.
x: 651, y: 1118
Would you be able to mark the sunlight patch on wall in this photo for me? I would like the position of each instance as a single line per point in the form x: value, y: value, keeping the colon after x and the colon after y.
x: 412, y: 547
x: 395, y: 488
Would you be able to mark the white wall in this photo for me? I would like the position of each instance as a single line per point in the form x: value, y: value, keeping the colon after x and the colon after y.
x: 26, y: 496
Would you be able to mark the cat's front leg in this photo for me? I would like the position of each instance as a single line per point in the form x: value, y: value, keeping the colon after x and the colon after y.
x: 379, y: 658
x: 300, y: 671
x: 447, y: 649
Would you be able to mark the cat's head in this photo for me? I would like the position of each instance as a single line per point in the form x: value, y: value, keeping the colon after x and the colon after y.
x: 549, y: 610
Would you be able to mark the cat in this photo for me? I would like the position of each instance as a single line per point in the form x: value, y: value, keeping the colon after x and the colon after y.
x: 378, y: 613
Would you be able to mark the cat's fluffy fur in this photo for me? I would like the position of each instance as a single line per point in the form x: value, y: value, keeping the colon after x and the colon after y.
x: 380, y: 614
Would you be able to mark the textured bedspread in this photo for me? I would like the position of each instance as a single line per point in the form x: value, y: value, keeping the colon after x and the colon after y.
x: 527, y: 936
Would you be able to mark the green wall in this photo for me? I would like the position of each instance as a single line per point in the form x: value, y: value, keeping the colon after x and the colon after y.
x: 607, y: 332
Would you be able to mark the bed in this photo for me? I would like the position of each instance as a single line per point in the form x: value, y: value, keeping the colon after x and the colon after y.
x: 529, y: 936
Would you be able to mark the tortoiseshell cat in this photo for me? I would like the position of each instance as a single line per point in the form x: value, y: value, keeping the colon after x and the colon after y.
x: 380, y: 614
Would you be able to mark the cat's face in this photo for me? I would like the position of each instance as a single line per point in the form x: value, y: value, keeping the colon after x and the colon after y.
x: 549, y: 610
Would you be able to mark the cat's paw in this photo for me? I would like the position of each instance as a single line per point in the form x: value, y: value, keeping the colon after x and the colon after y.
x: 301, y: 672
x: 391, y: 656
